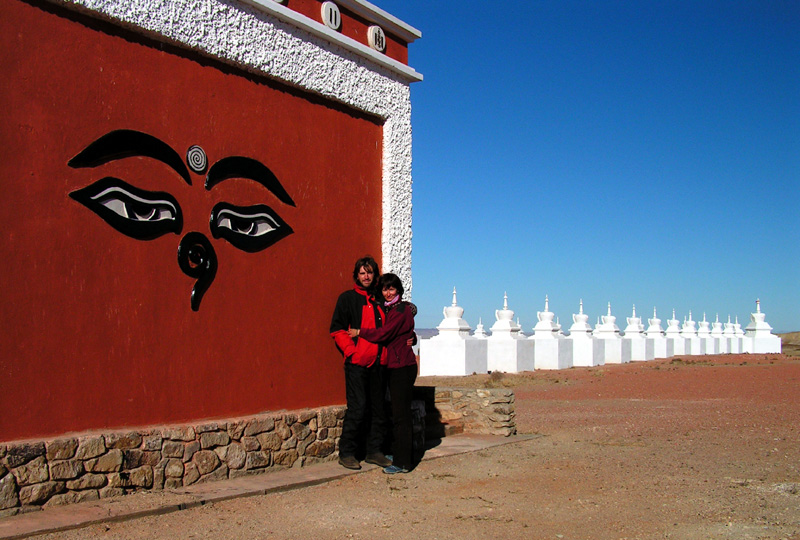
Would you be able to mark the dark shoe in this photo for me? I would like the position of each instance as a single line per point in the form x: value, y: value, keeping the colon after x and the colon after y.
x: 378, y: 459
x: 349, y: 462
x: 394, y: 469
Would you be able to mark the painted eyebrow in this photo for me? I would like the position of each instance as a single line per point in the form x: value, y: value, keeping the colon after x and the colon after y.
x: 244, y: 167
x: 124, y: 143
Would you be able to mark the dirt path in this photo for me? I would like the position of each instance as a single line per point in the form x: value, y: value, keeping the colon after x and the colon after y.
x: 688, y: 449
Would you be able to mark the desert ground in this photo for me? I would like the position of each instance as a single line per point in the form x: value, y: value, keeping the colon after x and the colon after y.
x: 684, y: 448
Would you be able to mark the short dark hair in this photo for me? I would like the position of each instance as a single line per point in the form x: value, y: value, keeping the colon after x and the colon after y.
x: 365, y: 262
x: 391, y: 280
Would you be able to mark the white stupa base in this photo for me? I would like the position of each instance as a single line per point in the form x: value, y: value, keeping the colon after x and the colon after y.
x: 452, y: 356
x: 735, y: 345
x: 587, y: 352
x: 510, y: 355
x: 615, y: 351
x: 722, y: 345
x: 708, y: 345
x: 639, y: 352
x: 552, y: 353
x: 678, y: 346
x: 658, y: 346
x: 761, y: 345
x: 693, y: 345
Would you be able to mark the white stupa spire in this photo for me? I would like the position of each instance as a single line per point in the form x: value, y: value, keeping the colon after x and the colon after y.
x: 580, y: 329
x: 546, y: 328
x: 453, y: 325
x: 654, y: 330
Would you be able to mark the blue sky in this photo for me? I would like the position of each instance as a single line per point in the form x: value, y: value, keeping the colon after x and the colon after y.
x: 640, y: 153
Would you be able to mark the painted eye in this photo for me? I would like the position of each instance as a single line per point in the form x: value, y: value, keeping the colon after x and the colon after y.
x: 249, y: 228
x: 137, y: 213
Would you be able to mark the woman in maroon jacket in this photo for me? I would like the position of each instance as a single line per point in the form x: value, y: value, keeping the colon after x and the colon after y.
x: 396, y: 334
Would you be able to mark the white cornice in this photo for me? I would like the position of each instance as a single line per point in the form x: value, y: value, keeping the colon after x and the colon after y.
x: 320, y: 30
x: 388, y: 22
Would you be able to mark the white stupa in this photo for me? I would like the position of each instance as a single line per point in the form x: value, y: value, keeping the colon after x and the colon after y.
x: 707, y: 343
x: 480, y: 332
x: 758, y: 336
x: 721, y: 345
x: 453, y: 351
x: 635, y: 328
x: 453, y: 325
x: 584, y: 351
x: 506, y: 352
x: 689, y: 333
x: 655, y: 337
x: 689, y: 329
x: 735, y: 343
x: 546, y: 328
x: 737, y: 328
x: 551, y: 350
x: 504, y: 326
x: 607, y: 333
x: 607, y: 328
x: 654, y: 329
x: 676, y: 343
x: 635, y: 338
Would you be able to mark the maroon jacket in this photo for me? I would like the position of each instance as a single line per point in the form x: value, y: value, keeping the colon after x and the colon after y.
x: 397, y: 329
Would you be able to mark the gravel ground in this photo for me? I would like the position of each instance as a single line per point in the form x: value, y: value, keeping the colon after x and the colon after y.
x: 685, y: 448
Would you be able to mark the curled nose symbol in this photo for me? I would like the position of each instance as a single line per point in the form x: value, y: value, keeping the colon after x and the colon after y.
x: 197, y: 259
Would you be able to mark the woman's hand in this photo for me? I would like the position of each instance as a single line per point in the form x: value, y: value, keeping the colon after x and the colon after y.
x: 353, y: 332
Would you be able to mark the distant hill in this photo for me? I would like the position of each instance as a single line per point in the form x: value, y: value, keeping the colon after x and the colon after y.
x: 790, y: 343
x: 426, y: 333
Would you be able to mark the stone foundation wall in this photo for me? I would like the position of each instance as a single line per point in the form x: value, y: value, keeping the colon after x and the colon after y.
x: 93, y: 466
x: 487, y: 411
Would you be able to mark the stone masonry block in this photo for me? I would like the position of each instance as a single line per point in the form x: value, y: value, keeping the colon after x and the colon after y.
x: 32, y: 472
x: 19, y: 454
x: 66, y: 470
x: 90, y: 447
x: 61, y: 449
x: 259, y: 425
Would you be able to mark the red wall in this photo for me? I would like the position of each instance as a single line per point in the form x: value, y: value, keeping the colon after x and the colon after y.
x: 97, y: 329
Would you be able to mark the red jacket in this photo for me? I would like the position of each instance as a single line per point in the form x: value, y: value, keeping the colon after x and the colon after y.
x: 394, y: 334
x: 355, y: 309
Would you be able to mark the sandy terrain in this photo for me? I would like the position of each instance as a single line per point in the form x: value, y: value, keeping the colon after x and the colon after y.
x: 691, y: 448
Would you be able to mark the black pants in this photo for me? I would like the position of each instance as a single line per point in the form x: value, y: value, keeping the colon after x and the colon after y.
x: 401, y: 387
x: 364, y: 389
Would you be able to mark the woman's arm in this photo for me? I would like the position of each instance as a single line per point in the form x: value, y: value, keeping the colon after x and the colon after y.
x: 395, y: 326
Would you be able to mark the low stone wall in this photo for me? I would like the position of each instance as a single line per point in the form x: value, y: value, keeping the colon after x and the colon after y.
x: 487, y: 411
x: 94, y: 466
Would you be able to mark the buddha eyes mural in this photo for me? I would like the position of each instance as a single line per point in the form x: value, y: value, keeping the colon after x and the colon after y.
x: 146, y: 215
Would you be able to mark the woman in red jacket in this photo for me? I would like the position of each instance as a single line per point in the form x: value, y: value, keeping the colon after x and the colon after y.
x: 396, y: 334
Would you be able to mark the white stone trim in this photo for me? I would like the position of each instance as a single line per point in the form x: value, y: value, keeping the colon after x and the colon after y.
x: 266, y: 38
